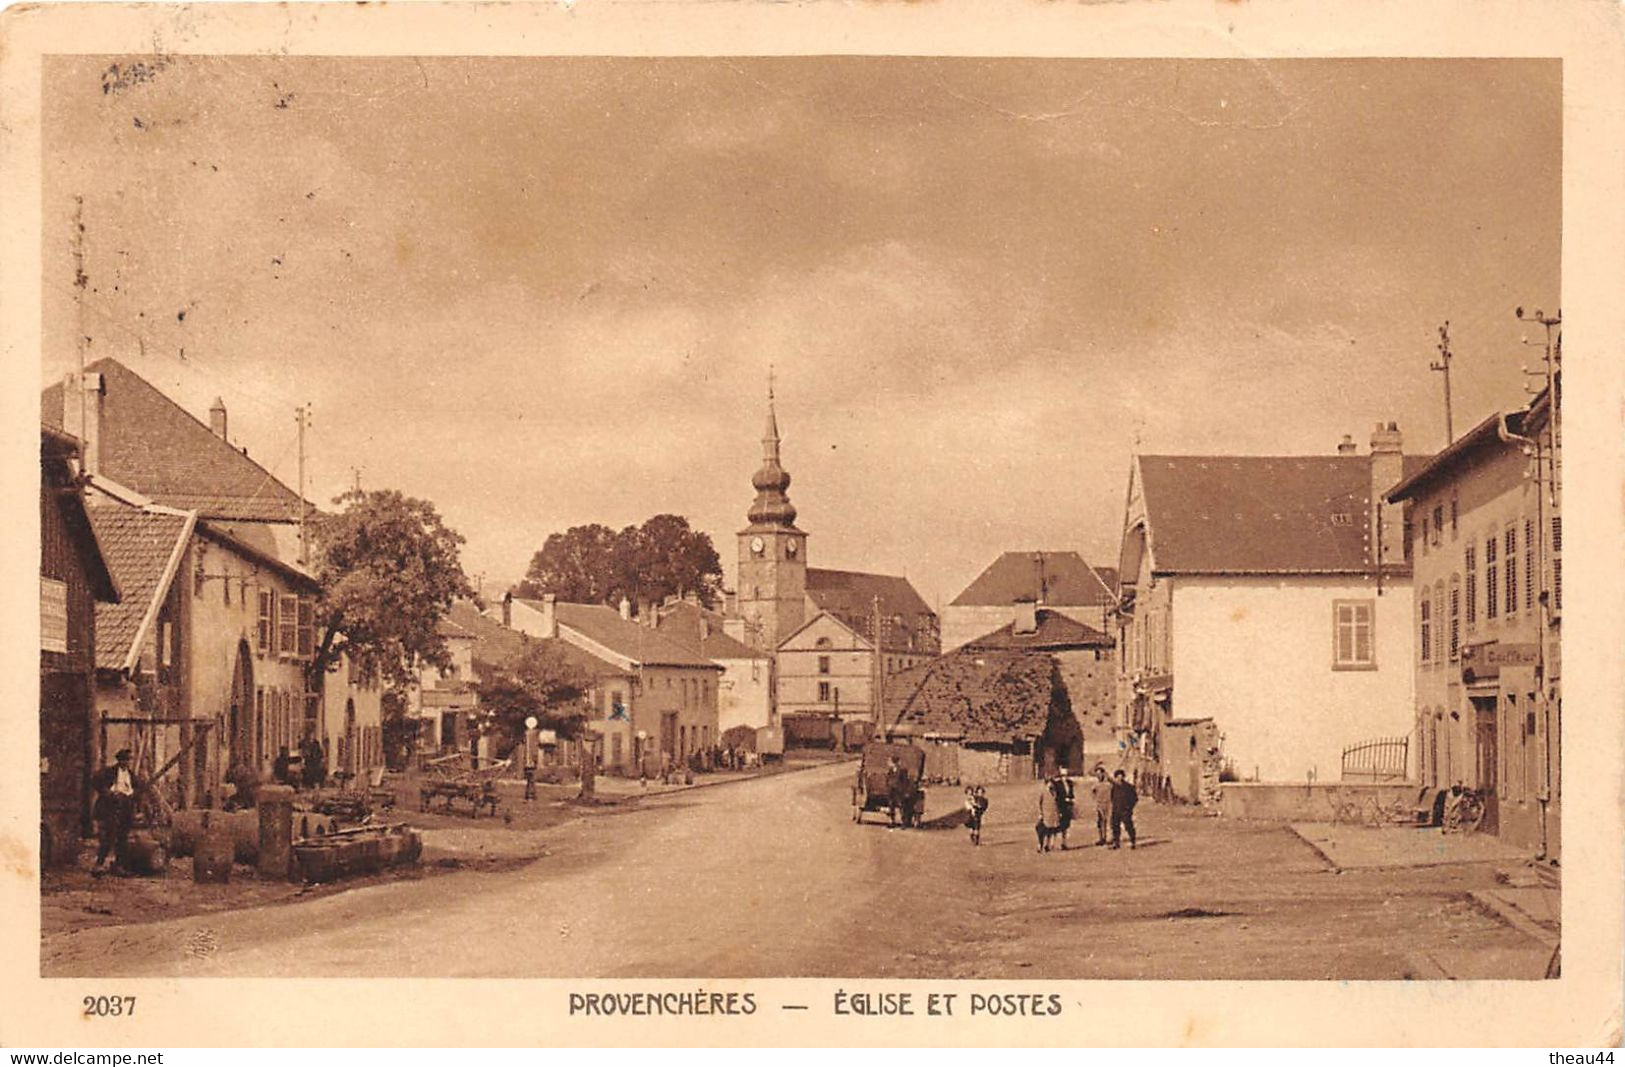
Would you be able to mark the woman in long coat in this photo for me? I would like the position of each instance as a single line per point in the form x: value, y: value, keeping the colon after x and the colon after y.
x: 1049, y: 815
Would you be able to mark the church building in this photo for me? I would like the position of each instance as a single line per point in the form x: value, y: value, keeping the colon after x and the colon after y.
x: 820, y: 625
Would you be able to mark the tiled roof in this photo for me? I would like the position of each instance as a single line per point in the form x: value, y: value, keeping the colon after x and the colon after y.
x: 1066, y: 580
x: 850, y: 597
x: 154, y: 446
x: 1055, y: 631
x: 58, y: 478
x: 1441, y: 466
x: 139, y: 545
x: 495, y: 645
x: 682, y: 622
x: 983, y: 696
x: 636, y: 642
x: 1259, y: 514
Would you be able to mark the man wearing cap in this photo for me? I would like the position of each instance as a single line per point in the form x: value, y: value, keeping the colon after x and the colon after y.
x: 1100, y: 790
x: 116, y: 788
x: 1124, y: 797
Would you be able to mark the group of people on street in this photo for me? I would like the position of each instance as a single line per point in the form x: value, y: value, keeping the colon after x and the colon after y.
x: 1114, y: 800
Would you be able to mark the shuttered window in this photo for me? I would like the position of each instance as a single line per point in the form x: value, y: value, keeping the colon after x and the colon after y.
x: 267, y: 623
x: 287, y: 625
x: 307, y: 627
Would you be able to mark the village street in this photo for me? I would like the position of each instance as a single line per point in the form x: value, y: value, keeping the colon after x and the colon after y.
x: 770, y: 877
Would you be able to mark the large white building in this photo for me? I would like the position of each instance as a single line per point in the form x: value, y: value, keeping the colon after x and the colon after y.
x: 1272, y: 596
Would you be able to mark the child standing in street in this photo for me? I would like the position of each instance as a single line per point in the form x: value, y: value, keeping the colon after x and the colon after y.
x: 975, y: 808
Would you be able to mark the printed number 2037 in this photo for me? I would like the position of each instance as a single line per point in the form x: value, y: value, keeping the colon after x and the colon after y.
x: 109, y: 1006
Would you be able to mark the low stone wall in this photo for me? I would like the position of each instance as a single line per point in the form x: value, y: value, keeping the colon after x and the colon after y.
x: 1289, y: 802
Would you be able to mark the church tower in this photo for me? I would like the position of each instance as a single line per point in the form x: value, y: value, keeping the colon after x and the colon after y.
x: 772, y: 586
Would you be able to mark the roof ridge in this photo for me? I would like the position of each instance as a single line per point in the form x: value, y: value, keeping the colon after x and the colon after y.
x: 172, y: 402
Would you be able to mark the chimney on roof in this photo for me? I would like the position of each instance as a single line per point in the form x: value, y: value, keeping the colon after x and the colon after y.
x: 1026, y: 620
x: 82, y: 416
x: 705, y: 628
x: 507, y: 609
x: 217, y: 419
x: 626, y: 609
x: 550, y: 615
x: 1387, y: 469
x: 1346, y: 447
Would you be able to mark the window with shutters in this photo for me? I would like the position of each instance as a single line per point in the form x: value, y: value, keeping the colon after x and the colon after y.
x: 1425, y: 636
x: 1510, y: 561
x: 1439, y: 621
x: 1352, y: 635
x: 1557, y: 563
x: 287, y: 625
x: 1492, y: 585
x: 823, y: 691
x: 1455, y: 617
x: 1470, y: 566
x: 307, y: 628
x: 267, y: 624
x: 1528, y: 565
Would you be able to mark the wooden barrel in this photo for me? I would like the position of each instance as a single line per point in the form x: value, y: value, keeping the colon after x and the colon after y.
x: 212, y: 855
x: 145, y: 852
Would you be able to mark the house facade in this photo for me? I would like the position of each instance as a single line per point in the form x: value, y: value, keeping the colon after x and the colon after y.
x: 444, y: 704
x: 74, y: 579
x: 1487, y: 550
x: 213, y: 645
x: 666, y: 714
x: 215, y: 642
x: 1272, y: 596
x: 745, y: 690
x: 1059, y: 582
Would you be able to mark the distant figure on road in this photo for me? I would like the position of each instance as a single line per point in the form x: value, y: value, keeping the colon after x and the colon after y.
x: 1049, y: 815
x: 1100, y: 790
x: 897, y: 791
x: 1124, y: 797
x: 975, y: 808
x: 1065, y: 799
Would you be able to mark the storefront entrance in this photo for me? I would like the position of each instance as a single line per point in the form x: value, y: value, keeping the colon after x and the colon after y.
x: 1488, y: 761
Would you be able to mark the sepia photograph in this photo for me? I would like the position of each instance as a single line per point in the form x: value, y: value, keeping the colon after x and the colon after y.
x: 1011, y: 520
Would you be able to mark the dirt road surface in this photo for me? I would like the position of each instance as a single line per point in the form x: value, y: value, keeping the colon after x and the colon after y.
x: 770, y: 878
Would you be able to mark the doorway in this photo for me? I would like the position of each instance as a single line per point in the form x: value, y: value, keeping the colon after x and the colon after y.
x: 240, y: 717
x: 1488, y: 760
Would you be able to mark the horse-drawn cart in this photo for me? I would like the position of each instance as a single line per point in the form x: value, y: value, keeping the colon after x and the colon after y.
x: 451, y: 778
x: 896, y: 790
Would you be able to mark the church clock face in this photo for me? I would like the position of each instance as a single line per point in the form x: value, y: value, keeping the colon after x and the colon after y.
x: 756, y: 546
x: 790, y: 548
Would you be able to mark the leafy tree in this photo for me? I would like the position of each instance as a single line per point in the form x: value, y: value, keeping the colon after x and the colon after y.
x: 539, y: 681
x: 595, y: 565
x: 389, y: 570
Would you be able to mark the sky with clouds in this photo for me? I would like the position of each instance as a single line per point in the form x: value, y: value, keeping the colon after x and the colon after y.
x: 544, y: 292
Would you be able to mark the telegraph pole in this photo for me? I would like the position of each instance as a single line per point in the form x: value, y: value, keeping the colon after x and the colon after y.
x: 1533, y: 445
x: 880, y: 676
x: 80, y: 282
x: 301, y: 416
x: 1442, y: 365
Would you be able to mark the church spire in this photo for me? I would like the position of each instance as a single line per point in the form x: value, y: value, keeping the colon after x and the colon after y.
x: 771, y: 506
